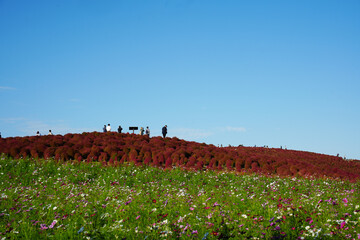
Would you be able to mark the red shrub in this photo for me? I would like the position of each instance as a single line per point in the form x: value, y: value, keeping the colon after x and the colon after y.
x: 168, y: 163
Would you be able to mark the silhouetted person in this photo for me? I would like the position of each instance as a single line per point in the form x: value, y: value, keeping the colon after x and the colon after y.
x: 164, y: 131
x: 0, y: 134
x: 50, y: 133
x: 104, y: 129
x: 38, y: 133
x: 119, y: 129
x: 147, y: 131
x: 141, y: 131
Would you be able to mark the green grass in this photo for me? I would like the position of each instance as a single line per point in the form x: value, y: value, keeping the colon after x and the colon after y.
x: 88, y: 201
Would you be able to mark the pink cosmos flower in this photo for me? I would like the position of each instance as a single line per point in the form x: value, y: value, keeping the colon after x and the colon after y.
x: 342, y: 225
x: 192, y: 209
x: 53, y: 224
x: 43, y: 227
x: 345, y: 200
x: 137, y: 217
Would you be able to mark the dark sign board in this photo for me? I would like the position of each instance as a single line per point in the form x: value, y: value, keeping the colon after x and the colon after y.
x: 133, y: 128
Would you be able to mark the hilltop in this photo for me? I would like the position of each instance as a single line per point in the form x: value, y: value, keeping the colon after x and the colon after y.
x: 115, y: 149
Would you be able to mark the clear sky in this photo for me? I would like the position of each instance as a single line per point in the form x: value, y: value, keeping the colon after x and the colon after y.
x: 275, y: 73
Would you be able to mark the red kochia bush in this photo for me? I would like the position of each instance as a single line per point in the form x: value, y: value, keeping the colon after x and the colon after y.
x: 113, y: 149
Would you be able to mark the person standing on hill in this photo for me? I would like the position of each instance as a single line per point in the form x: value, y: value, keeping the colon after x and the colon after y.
x: 147, y: 131
x: 141, y: 131
x: 119, y: 129
x: 164, y: 131
x: 104, y: 129
x: 108, y: 128
x: 50, y: 133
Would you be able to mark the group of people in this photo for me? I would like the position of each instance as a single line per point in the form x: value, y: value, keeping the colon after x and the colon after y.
x: 142, y: 131
x: 49, y: 133
x: 147, y: 131
x: 107, y: 128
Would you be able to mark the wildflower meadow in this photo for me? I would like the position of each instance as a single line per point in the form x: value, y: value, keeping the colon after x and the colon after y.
x: 47, y: 199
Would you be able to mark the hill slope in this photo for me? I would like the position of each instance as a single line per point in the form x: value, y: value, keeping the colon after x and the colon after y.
x: 114, y: 149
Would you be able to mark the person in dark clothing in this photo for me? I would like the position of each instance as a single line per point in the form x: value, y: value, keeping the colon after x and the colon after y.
x: 119, y: 129
x: 104, y: 129
x: 164, y: 131
x: 147, y: 131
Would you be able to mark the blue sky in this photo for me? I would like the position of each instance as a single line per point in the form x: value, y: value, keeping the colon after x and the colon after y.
x: 275, y: 73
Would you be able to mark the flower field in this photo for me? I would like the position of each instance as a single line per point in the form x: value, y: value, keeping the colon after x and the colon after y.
x: 70, y: 200
x: 126, y: 186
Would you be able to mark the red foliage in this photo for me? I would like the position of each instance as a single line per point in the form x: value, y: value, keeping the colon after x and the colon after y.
x: 114, y: 149
x: 168, y: 163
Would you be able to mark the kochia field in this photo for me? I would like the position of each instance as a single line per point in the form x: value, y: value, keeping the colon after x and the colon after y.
x: 115, y: 149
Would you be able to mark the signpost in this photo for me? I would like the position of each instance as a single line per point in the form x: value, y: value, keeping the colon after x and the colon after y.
x: 133, y: 128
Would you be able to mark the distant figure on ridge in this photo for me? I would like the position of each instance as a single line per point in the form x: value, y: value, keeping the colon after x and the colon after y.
x: 0, y: 134
x: 141, y: 131
x: 147, y: 131
x: 108, y: 128
x: 50, y: 133
x: 104, y: 129
x: 38, y: 133
x: 119, y: 129
x: 164, y: 131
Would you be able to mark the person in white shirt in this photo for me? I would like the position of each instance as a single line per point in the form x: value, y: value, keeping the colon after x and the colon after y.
x: 147, y: 131
x: 50, y: 133
x: 108, y: 128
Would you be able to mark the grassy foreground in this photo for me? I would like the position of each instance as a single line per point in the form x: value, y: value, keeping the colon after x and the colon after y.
x: 48, y: 200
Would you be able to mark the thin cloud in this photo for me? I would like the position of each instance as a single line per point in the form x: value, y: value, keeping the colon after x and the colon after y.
x: 29, y: 126
x: 235, y: 129
x: 6, y: 88
x: 190, y: 134
x: 12, y: 120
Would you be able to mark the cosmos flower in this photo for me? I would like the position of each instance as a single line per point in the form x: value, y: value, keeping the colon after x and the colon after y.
x: 43, y: 227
